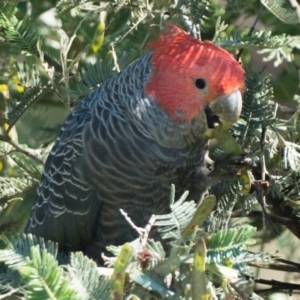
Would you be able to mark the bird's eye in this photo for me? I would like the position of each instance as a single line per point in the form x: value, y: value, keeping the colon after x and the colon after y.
x: 200, y: 83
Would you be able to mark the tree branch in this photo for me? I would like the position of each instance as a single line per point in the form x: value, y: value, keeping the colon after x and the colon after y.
x: 261, y: 8
x: 278, y: 285
x: 275, y: 266
x: 277, y: 208
x: 21, y: 150
x: 261, y: 200
x: 259, y: 214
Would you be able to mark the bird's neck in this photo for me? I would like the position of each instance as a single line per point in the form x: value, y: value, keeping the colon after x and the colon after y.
x: 125, y: 95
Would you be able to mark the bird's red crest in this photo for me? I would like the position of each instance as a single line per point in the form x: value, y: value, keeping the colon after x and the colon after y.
x: 178, y: 60
x: 170, y: 35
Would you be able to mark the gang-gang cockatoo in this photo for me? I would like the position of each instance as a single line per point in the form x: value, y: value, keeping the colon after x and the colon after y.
x: 131, y: 138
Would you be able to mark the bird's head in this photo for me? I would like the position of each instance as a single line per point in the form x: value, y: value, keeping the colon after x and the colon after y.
x: 192, y: 76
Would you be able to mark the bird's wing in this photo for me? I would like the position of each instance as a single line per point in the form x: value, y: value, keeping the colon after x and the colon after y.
x: 66, y: 206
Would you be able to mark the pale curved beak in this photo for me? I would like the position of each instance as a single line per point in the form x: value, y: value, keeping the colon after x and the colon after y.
x: 227, y: 108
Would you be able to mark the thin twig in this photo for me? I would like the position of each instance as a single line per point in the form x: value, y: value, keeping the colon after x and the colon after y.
x: 263, y: 168
x: 65, y: 71
x: 50, y: 89
x: 277, y: 208
x: 260, y: 214
x: 259, y: 192
x: 21, y: 150
x: 139, y: 230
x: 279, y: 285
x: 58, y: 68
x: 11, y: 124
x: 262, y: 155
x: 145, y: 40
x: 274, y: 290
x: 143, y: 232
x: 133, y: 27
x: 274, y: 266
x: 88, y: 46
x: 260, y: 11
x: 64, y: 58
x: 292, y: 263
x: 147, y: 230
x: 114, y: 55
x: 75, y: 33
x: 11, y: 292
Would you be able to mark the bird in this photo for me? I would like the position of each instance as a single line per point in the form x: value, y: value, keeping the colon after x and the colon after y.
x: 124, y: 144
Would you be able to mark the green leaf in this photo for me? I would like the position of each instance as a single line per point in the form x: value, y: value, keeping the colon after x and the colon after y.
x: 118, y: 278
x: 93, y: 75
x: 23, y: 33
x: 199, y: 280
x: 170, y: 225
x: 149, y: 284
x: 228, y: 243
x: 28, y: 165
x: 227, y: 142
x: 85, y: 278
x: 15, y: 187
x: 259, y: 39
x: 168, y: 266
x: 203, y: 211
x: 34, y: 260
x: 258, y: 109
x: 282, y: 10
x: 43, y: 277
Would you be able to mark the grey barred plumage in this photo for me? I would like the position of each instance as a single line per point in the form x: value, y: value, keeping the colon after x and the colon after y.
x: 119, y: 149
x: 113, y: 152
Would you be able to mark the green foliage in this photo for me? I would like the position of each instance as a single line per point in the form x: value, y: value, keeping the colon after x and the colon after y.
x: 85, y: 279
x: 21, y: 33
x: 286, y: 14
x: 32, y: 270
x: 118, y: 277
x: 31, y: 266
x: 177, y: 219
x: 95, y: 74
x: 48, y: 64
x: 258, y: 109
x: 259, y: 39
x: 11, y: 188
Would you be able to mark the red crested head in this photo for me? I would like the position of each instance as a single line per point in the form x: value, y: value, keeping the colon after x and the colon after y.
x: 188, y: 74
